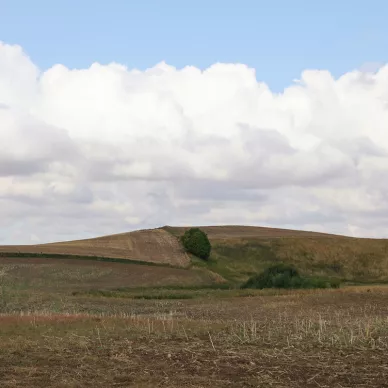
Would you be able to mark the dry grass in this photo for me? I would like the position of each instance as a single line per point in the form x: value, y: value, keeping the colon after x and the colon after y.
x: 349, y: 259
x: 358, y: 259
x: 309, y: 338
x: 241, y: 251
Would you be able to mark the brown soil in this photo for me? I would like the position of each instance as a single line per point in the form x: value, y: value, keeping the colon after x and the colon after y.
x: 176, y: 364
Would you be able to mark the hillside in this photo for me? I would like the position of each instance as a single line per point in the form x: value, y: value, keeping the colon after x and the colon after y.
x: 156, y: 246
x: 238, y: 251
x: 241, y: 251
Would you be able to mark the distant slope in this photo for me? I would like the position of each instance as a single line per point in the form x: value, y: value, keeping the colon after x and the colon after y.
x: 241, y: 251
x: 243, y: 232
x: 155, y: 245
x: 350, y: 259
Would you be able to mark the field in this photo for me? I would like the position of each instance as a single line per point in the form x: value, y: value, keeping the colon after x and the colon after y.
x: 125, y: 319
x: 58, y: 335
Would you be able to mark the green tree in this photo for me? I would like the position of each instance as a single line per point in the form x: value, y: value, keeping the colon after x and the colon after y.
x: 197, y: 243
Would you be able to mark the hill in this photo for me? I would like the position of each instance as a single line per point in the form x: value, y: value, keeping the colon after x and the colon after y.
x: 238, y: 251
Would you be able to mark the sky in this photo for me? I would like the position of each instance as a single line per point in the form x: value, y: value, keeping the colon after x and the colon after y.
x: 122, y: 115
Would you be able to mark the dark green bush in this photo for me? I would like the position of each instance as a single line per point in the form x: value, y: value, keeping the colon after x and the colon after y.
x: 285, y: 276
x: 277, y: 276
x: 197, y: 243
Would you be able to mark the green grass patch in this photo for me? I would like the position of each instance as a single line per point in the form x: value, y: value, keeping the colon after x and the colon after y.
x: 238, y: 261
x: 316, y: 259
x: 166, y: 293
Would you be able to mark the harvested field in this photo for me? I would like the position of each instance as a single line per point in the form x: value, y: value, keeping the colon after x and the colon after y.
x: 330, y: 338
x: 67, y: 274
x: 156, y: 245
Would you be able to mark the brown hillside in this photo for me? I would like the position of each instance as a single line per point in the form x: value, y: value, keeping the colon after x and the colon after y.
x: 155, y: 245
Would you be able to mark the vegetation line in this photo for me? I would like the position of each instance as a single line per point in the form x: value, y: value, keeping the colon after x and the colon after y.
x: 80, y: 257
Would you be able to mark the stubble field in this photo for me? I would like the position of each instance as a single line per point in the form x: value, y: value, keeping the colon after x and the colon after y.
x: 72, y: 331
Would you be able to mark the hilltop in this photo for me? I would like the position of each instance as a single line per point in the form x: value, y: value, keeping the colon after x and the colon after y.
x: 225, y: 232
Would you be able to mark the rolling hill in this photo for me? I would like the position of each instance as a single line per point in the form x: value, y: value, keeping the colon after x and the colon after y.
x: 238, y: 251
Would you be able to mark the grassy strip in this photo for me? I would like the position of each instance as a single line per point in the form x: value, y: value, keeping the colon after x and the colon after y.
x: 217, y: 286
x: 167, y: 294
x: 80, y: 257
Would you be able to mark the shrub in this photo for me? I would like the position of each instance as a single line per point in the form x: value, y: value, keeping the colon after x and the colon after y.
x: 286, y: 276
x: 277, y: 276
x: 335, y: 283
x: 196, y: 242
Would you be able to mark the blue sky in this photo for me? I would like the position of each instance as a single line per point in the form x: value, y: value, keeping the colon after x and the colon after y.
x: 279, y: 38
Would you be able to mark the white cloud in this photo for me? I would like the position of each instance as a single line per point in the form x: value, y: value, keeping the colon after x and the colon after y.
x: 107, y: 149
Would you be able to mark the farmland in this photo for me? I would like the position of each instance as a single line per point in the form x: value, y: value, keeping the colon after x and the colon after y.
x: 156, y: 246
x: 77, y: 321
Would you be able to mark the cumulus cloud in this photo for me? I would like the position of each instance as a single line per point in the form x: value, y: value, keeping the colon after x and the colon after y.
x: 106, y: 149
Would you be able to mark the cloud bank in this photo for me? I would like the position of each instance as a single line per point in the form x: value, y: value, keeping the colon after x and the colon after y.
x: 85, y: 152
